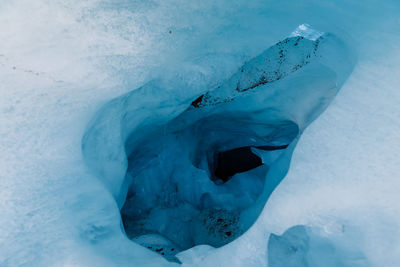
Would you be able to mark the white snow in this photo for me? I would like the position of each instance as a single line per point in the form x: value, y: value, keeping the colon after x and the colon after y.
x: 61, y: 62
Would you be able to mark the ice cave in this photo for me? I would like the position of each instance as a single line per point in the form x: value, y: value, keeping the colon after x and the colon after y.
x: 180, y: 133
x: 201, y: 175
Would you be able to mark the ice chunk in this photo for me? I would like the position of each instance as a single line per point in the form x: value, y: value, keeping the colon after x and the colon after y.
x: 194, y: 255
x: 302, y: 246
x: 306, y: 31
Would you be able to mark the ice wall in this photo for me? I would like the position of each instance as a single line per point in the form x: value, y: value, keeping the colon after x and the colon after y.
x: 61, y: 62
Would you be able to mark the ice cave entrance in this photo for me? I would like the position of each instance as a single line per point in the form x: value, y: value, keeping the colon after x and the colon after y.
x: 190, y: 185
x: 200, y: 172
x: 227, y: 163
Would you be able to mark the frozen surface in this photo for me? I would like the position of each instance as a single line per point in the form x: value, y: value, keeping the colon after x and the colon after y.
x: 173, y: 188
x: 60, y: 63
x: 306, y: 246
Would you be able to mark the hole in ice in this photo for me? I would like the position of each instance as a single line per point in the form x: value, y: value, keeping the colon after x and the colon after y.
x: 230, y: 162
x: 189, y: 185
x: 201, y: 175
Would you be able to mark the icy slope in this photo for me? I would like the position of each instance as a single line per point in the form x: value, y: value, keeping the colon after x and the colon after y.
x: 60, y: 62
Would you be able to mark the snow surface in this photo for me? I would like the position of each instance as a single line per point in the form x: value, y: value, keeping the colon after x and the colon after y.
x: 61, y: 62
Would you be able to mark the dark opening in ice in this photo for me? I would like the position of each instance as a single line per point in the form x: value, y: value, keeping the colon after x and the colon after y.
x: 242, y: 159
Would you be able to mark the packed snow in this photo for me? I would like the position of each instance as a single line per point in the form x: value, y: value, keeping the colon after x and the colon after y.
x: 114, y: 114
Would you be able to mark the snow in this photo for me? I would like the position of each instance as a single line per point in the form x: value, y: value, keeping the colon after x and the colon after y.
x: 62, y: 63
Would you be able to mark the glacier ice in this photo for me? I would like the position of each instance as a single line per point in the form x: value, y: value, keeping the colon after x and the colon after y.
x: 169, y: 153
x: 70, y: 70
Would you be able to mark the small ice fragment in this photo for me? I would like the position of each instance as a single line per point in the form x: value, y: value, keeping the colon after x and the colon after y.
x: 306, y: 31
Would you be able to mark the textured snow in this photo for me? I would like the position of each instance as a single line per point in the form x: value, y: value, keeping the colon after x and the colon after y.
x: 60, y: 62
